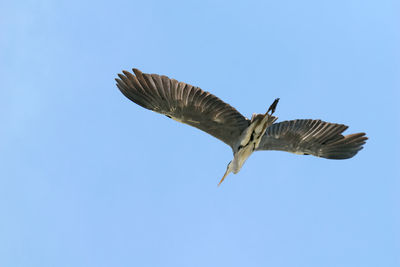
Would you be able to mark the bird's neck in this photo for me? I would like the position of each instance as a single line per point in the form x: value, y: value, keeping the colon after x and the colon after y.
x: 240, y: 158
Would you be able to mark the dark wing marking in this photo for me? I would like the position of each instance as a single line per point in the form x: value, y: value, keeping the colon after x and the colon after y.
x: 184, y: 103
x: 315, y: 137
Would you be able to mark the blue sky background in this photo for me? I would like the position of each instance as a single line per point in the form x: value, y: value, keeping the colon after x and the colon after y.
x: 88, y: 178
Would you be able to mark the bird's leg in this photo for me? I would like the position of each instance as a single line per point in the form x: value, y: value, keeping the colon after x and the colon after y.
x: 273, y: 106
x: 266, y: 121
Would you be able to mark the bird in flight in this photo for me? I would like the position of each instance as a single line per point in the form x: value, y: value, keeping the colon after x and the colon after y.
x: 193, y: 106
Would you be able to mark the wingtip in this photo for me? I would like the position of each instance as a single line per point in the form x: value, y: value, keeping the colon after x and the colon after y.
x: 137, y: 72
x: 125, y: 72
x: 120, y: 84
x: 347, y: 147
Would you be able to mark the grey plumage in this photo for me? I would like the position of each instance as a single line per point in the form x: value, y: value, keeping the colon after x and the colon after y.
x: 315, y: 137
x: 185, y: 103
x: 193, y: 106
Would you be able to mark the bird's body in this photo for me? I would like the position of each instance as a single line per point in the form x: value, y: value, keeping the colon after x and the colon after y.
x: 193, y: 106
x: 249, y: 140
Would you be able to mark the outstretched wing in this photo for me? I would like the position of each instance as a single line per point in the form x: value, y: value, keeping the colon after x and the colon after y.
x: 315, y: 137
x: 184, y: 103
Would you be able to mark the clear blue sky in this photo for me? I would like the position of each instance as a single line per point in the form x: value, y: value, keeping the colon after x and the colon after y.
x: 88, y: 178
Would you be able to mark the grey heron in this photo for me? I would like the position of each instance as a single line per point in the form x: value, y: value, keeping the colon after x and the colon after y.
x: 193, y: 106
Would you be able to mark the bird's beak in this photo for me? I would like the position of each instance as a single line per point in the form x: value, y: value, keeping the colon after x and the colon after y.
x: 223, y: 178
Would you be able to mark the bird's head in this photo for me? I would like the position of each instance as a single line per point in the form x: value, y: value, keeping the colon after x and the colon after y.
x: 229, y: 169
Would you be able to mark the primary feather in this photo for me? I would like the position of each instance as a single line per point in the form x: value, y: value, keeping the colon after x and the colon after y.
x: 184, y: 103
x: 315, y: 137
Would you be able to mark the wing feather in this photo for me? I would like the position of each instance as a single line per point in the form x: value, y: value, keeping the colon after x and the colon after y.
x: 315, y: 137
x: 184, y: 103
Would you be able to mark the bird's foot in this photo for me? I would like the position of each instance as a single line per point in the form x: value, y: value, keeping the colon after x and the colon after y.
x: 273, y: 106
